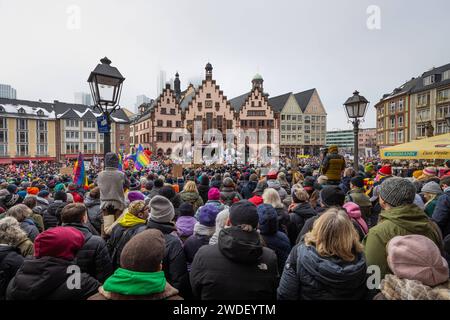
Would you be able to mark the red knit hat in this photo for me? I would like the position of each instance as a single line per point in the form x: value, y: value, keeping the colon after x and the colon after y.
x: 272, y: 174
x: 386, y: 170
x: 59, y: 242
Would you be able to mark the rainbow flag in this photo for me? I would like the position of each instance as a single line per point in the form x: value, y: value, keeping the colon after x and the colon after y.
x: 120, y: 161
x: 142, y: 159
x: 79, y: 173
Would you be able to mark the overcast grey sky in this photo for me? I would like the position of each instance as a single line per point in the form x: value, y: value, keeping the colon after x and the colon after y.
x: 295, y: 45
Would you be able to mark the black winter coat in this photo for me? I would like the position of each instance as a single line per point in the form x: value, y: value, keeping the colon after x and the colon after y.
x: 94, y: 212
x: 10, y: 261
x: 309, y: 276
x: 93, y: 258
x: 120, y: 235
x: 46, y: 279
x: 52, y: 216
x: 203, y: 191
x: 247, y: 189
x: 283, y: 220
x: 301, y: 213
x: 174, y: 262
x: 237, y: 268
x: 192, y: 245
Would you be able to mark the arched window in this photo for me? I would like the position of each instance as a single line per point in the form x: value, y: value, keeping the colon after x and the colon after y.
x: 40, y: 113
x: 21, y: 110
x: 2, y: 109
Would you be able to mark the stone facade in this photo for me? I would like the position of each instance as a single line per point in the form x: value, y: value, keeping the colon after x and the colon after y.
x: 250, y: 112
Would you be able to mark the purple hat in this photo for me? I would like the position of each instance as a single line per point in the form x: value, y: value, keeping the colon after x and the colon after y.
x: 213, y: 194
x: 208, y: 214
x: 135, y: 195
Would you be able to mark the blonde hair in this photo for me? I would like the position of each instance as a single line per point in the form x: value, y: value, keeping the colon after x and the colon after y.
x: 190, y: 186
x: 333, y: 234
x: 271, y: 196
x: 297, y: 177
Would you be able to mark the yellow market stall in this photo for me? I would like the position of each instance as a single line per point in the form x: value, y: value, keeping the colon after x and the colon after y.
x: 437, y: 147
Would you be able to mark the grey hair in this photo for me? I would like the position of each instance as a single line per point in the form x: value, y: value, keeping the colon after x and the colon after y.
x: 19, y: 211
x: 10, y: 232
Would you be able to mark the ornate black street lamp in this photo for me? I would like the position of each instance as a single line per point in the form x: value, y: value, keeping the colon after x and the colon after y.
x: 356, y: 107
x: 106, y: 87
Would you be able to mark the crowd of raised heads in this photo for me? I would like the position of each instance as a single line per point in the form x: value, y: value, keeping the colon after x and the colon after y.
x: 311, y: 232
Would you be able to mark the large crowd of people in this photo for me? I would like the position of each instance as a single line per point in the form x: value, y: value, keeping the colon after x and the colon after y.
x: 316, y: 230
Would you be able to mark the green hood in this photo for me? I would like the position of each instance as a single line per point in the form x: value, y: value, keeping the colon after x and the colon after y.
x: 410, y: 217
x: 129, y: 282
x: 189, y: 196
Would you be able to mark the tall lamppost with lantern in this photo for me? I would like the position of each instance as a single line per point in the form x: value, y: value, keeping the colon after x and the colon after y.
x: 106, y: 87
x: 356, y: 107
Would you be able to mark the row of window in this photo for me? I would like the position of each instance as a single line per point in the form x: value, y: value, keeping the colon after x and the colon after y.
x: 257, y: 124
x: 293, y: 117
x: 160, y: 123
x: 74, y: 147
x: 298, y: 137
x: 299, y: 127
x: 71, y: 123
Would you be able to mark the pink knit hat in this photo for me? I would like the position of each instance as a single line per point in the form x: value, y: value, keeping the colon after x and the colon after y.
x: 354, y: 212
x: 430, y: 171
x: 415, y: 257
x: 213, y: 194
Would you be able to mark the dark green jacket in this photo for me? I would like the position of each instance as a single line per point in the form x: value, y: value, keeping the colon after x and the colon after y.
x: 398, y: 221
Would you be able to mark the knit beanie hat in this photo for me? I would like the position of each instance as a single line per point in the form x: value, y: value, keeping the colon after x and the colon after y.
x: 61, y: 195
x: 272, y: 174
x: 417, y: 174
x: 158, y: 183
x: 135, y: 195
x: 144, y: 252
x: 357, y: 181
x: 43, y: 194
x: 60, y: 187
x: 134, y: 184
x: 167, y: 192
x: 430, y: 171
x: 244, y: 212
x: 207, y: 215
x: 33, y: 191
x: 213, y: 194
x: 12, y: 188
x: 186, y: 209
x: 385, y: 170
x: 369, y: 167
x: 332, y: 196
x: 228, y: 182
x: 416, y: 257
x: 432, y: 187
x: 111, y: 160
x: 397, y: 191
x: 268, y: 219
x: 161, y: 209
x: 136, y: 207
x: 58, y: 242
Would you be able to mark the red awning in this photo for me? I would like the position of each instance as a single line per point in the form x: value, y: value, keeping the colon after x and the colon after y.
x: 33, y: 159
x: 5, y: 161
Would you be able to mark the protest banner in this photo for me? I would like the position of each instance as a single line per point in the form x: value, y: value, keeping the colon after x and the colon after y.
x: 66, y: 171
